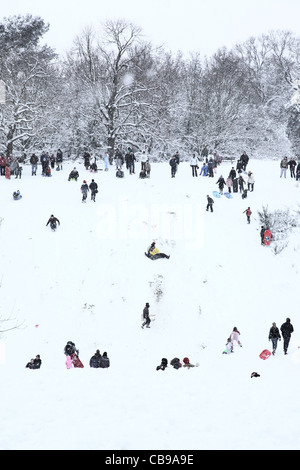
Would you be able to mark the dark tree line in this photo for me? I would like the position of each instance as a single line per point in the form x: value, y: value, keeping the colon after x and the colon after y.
x: 114, y: 89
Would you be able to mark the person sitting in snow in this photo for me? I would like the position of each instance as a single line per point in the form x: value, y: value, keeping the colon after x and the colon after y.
x: 104, y: 362
x: 228, y: 347
x: 95, y: 360
x: 73, y: 175
x: 35, y: 363
x: 71, y: 349
x: 154, y: 253
x: 53, y: 221
x: 163, y: 364
x: 17, y: 195
x: 186, y: 363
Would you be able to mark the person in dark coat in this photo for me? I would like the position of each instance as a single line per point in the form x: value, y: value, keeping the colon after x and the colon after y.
x: 95, y: 360
x: 53, y: 221
x: 262, y: 235
x: 146, y: 316
x: 104, y: 362
x: 94, y: 189
x: 244, y: 159
x: 59, y: 159
x: 274, y: 336
x: 292, y: 165
x: 84, y: 190
x: 210, y: 202
x: 221, y: 182
x: 163, y: 364
x: 70, y: 349
x: 73, y: 175
x: 154, y: 253
x: 232, y: 173
x: 35, y: 363
x: 286, y: 330
x: 173, y: 165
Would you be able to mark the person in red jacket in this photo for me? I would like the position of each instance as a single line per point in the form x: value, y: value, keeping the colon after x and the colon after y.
x: 248, y: 214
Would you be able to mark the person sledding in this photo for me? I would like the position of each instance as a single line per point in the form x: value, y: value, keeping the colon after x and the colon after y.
x: 163, y: 364
x: 53, y: 221
x: 71, y: 351
x: 35, y: 363
x: 154, y: 253
x: 74, y: 175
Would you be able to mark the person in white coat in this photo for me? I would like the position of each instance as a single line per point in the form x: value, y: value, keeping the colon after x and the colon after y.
x: 235, y: 336
x: 194, y: 165
x: 250, y: 181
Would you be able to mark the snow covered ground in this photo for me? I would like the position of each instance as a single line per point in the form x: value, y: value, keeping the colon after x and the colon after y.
x: 89, y: 281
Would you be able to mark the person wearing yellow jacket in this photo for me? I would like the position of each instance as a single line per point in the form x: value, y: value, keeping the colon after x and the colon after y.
x: 154, y: 253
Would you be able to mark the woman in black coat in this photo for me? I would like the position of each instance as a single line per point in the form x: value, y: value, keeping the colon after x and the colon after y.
x: 274, y: 336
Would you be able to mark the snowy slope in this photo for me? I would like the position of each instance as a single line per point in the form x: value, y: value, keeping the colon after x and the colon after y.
x: 88, y: 282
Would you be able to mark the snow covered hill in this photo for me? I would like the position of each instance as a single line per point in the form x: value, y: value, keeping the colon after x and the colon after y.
x: 89, y: 281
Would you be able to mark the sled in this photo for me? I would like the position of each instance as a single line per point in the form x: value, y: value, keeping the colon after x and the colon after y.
x: 228, y: 195
x: 267, y: 237
x: 216, y: 194
x: 265, y: 354
x: 76, y: 361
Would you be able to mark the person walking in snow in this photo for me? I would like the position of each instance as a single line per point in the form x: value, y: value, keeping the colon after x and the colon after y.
x: 194, y: 165
x: 210, y: 203
x: 283, y: 165
x: 241, y: 183
x: 94, y: 189
x: 84, y: 190
x: 229, y: 184
x: 248, y: 214
x: 146, y: 316
x: 221, y: 183
x: 286, y: 330
x: 235, y: 336
x: 173, y: 165
x: 292, y: 165
x: 250, y: 181
x: 274, y: 336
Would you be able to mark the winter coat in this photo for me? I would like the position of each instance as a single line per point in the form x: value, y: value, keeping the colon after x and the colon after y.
x: 173, y: 162
x: 34, y: 159
x: 221, y: 182
x: 287, y: 328
x: 274, y: 332
x: 95, y: 360
x: 84, y: 188
x: 284, y: 163
x: 104, y: 362
x: 232, y: 174
x: 251, y: 179
x: 2, y: 161
x: 229, y: 182
x: 146, y: 312
x: 235, y: 336
x: 93, y: 186
x: 194, y: 161
x: 204, y: 170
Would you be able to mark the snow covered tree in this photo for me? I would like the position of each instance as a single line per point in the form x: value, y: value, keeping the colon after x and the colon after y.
x: 25, y: 70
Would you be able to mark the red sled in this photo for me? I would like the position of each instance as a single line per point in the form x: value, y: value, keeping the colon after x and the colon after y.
x: 265, y: 354
x: 76, y: 361
x: 267, y: 237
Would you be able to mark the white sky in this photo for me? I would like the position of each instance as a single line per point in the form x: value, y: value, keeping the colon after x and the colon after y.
x: 190, y: 25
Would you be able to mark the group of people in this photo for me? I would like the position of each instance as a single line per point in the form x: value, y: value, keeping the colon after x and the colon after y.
x: 274, y: 336
x: 292, y: 165
x: 175, y: 363
x: 128, y: 157
x: 286, y: 331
